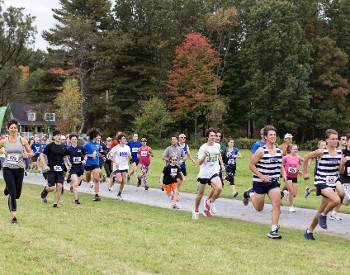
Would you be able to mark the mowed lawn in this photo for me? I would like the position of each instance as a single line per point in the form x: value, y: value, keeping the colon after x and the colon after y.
x: 117, y: 237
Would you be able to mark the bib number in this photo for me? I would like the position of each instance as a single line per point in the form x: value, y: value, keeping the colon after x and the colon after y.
x: 144, y: 153
x: 57, y: 168
x: 331, y: 179
x: 76, y: 160
x: 135, y: 150
x: 13, y: 159
x: 348, y: 171
x: 292, y: 170
x: 231, y: 161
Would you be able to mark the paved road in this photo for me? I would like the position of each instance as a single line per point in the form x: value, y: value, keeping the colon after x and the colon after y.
x: 226, y: 208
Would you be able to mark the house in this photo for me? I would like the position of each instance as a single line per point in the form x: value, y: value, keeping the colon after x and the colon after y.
x: 34, y: 118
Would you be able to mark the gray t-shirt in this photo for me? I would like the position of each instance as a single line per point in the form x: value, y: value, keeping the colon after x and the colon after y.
x: 171, y: 150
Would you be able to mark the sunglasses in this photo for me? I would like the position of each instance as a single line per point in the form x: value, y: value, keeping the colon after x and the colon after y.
x: 182, y: 137
x: 173, y: 159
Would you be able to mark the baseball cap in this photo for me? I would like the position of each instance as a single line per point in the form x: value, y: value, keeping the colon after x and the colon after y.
x: 288, y: 136
x: 143, y: 139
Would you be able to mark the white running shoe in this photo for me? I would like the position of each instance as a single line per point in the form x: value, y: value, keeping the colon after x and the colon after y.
x: 292, y: 209
x: 286, y: 195
x: 119, y: 198
x: 334, y: 216
x: 213, y: 208
x: 91, y: 187
x: 195, y: 215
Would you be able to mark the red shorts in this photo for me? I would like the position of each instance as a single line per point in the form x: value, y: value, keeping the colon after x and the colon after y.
x: 170, y: 187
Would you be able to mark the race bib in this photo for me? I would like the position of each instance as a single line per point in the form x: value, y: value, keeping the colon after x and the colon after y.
x: 144, y: 154
x: 331, y: 179
x: 292, y: 170
x: 173, y: 172
x: 135, y: 150
x: 76, y: 160
x: 57, y: 168
x: 231, y: 161
x: 12, y: 159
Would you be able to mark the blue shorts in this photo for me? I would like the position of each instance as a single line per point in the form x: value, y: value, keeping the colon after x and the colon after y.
x: 320, y: 187
x: 264, y: 188
x: 79, y: 171
x: 92, y: 167
x: 294, y: 180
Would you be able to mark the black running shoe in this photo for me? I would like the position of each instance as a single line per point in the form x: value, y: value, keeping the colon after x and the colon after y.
x: 77, y: 202
x: 246, y: 197
x: 55, y: 206
x: 97, y: 198
x: 146, y: 187
x: 138, y: 182
x: 309, y: 236
x: 14, y: 221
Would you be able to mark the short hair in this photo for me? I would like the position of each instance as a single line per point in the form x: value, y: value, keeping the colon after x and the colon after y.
x: 93, y: 133
x: 330, y: 132
x: 11, y: 122
x: 268, y: 128
x: 119, y: 137
x: 72, y: 136
x: 229, y: 139
x: 207, y: 132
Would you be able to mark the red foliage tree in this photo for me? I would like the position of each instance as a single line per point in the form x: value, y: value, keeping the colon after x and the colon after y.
x: 192, y: 82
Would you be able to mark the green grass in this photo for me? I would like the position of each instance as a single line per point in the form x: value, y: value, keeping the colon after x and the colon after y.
x: 243, y: 179
x: 115, y: 237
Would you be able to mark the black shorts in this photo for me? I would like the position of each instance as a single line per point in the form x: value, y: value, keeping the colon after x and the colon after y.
x: 184, y: 171
x: 35, y: 158
x: 294, y: 180
x: 320, y: 187
x: 134, y: 160
x: 54, y: 177
x: 79, y: 171
x: 92, y: 167
x: 121, y: 171
x: 344, y: 179
x: 264, y: 188
x: 207, y: 180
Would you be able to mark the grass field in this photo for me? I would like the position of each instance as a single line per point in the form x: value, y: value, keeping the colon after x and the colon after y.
x: 117, y: 237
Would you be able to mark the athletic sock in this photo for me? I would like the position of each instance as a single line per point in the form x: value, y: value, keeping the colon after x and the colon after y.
x: 274, y: 227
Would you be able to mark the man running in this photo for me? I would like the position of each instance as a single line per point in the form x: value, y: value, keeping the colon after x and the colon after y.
x: 186, y: 148
x: 134, y: 145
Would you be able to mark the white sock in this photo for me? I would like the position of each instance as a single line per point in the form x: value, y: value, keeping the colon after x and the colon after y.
x: 274, y: 227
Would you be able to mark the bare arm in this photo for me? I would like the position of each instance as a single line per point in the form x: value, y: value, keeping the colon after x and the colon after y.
x: 27, y: 147
x: 252, y: 165
x: 307, y: 157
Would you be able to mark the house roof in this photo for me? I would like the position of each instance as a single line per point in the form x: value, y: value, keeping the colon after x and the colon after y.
x: 20, y: 111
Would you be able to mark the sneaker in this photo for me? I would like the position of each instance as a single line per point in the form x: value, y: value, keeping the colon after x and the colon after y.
x: 44, y: 200
x: 80, y: 182
x: 97, y: 198
x: 306, y: 194
x: 274, y: 235
x: 14, y: 221
x: 175, y: 206
x: 119, y: 198
x: 146, y: 187
x: 309, y: 236
x: 128, y: 178
x: 25, y: 173
x: 213, y: 208
x: 76, y: 202
x: 195, y: 215
x: 207, y: 204
x: 71, y: 189
x: 55, y: 206
x: 91, y: 187
x: 6, y: 191
x: 110, y: 189
x: 322, y: 221
x: 138, y: 182
x: 207, y: 213
x: 292, y: 209
x: 286, y: 195
x: 162, y: 188
x: 235, y: 194
x: 334, y: 216
x: 246, y: 196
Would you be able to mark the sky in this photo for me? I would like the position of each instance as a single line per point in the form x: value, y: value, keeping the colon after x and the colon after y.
x: 41, y: 9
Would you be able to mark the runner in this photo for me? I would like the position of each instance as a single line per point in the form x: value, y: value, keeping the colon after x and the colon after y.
x: 13, y: 166
x: 37, y: 148
x: 291, y: 162
x: 134, y: 145
x: 120, y: 156
x: 230, y: 165
x: 108, y: 165
x: 186, y: 148
x: 92, y: 165
x: 329, y: 165
x: 344, y: 178
x: 56, y: 153
x: 208, y: 158
x: 171, y: 174
x: 259, y: 143
x: 288, y: 139
x: 144, y: 155
x: 77, y: 156
x: 266, y: 164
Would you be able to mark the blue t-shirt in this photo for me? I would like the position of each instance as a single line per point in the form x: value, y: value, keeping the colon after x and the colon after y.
x: 231, y: 160
x: 38, y: 148
x: 91, y: 147
x: 134, y: 147
x: 257, y: 145
x: 76, y: 155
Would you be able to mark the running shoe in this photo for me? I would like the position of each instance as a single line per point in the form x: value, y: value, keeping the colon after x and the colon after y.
x: 309, y: 236
x: 97, y: 198
x: 110, y: 189
x: 322, y: 221
x: 212, y: 208
x: 119, y: 198
x: 246, y: 196
x: 274, y: 235
x: 55, y: 206
x: 195, y: 215
x: 138, y: 182
x: 175, y: 206
x: 14, y: 221
x: 307, y: 192
x: 235, y: 194
x: 334, y: 216
x: 128, y: 178
x: 6, y: 191
x: 76, y: 202
x: 207, y: 204
x: 44, y: 200
x: 207, y: 213
x: 286, y: 195
x: 146, y: 187
x: 292, y: 209
x: 91, y: 186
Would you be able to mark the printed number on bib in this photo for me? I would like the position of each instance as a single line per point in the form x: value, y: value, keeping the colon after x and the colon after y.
x: 173, y: 172
x: 57, y: 168
x: 231, y: 161
x: 144, y: 153
x: 13, y: 159
x: 76, y: 160
x: 292, y: 170
x: 331, y: 179
x: 135, y: 150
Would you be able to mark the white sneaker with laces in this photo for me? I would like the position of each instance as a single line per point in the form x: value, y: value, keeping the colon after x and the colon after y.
x: 334, y: 216
x: 119, y: 198
x: 195, y: 215
x: 91, y: 186
x: 292, y: 209
x: 286, y: 195
x: 213, y: 208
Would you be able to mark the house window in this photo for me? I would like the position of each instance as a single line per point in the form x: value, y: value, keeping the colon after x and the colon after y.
x: 31, y: 116
x: 49, y: 117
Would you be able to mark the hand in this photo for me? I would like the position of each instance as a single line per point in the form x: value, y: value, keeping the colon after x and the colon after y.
x: 116, y: 164
x: 265, y: 178
x: 306, y: 176
x: 206, y: 152
x: 47, y: 168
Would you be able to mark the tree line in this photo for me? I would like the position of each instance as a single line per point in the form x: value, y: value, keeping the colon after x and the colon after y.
x: 273, y: 62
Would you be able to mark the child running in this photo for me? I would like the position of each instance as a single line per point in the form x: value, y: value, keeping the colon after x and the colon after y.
x: 291, y: 163
x: 144, y: 154
x: 170, y: 177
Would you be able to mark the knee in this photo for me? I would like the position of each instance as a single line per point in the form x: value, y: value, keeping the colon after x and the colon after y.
x: 59, y: 187
x: 337, y: 200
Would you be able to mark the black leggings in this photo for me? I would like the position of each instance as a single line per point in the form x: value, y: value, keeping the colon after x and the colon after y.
x: 14, y: 181
x: 108, y: 167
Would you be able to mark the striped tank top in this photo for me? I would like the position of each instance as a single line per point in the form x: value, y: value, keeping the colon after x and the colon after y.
x: 328, y: 168
x: 269, y: 165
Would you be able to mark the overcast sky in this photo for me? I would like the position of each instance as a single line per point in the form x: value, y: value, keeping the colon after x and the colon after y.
x: 41, y: 9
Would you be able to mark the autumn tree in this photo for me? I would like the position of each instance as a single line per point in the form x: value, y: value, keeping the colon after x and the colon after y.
x: 192, y: 82
x: 69, y: 110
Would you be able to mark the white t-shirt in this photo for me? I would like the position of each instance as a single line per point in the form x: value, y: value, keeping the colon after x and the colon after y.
x: 211, y: 164
x: 121, y: 155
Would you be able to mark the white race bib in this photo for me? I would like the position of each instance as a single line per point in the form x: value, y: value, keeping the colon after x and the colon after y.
x: 331, y: 179
x: 231, y: 161
x: 12, y: 159
x: 144, y: 153
x: 292, y: 170
x: 57, y: 168
x: 76, y: 160
x: 135, y: 150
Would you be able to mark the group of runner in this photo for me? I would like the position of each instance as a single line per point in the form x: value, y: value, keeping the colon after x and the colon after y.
x: 268, y: 163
